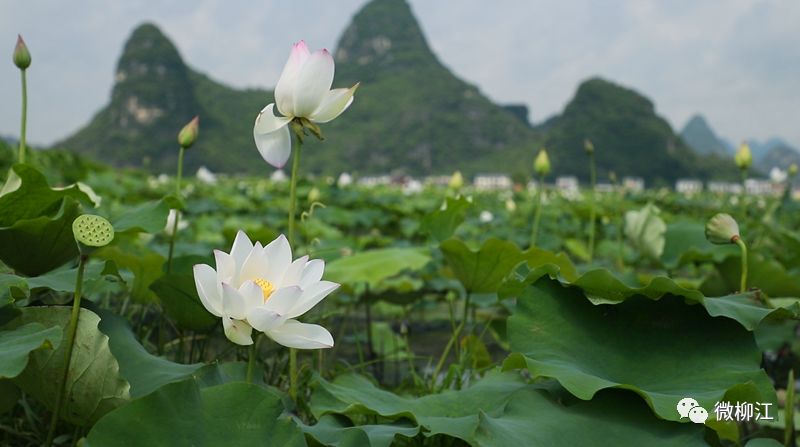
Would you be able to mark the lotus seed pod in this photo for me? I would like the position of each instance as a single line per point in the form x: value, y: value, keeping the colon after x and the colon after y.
x: 92, y: 232
x: 456, y: 180
x: 588, y: 146
x: 722, y: 229
x: 22, y: 57
x: 792, y: 169
x: 188, y: 135
x: 743, y: 157
x: 542, y: 163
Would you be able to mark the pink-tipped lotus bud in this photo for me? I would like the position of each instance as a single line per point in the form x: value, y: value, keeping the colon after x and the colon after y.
x: 188, y: 135
x: 22, y: 57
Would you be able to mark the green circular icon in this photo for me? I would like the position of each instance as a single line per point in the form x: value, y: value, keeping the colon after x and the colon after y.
x: 92, y: 231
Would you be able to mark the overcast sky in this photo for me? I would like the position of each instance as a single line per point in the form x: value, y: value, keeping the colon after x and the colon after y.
x: 735, y: 61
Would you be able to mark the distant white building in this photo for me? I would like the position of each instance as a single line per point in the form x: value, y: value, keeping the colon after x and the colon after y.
x: 604, y: 187
x: 492, y: 181
x: 567, y: 184
x: 688, y: 186
x: 438, y: 180
x: 633, y: 184
x: 758, y: 187
x: 724, y: 187
x: 375, y: 180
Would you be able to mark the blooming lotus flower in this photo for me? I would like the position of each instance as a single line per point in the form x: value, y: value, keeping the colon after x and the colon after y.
x: 260, y: 287
x: 303, y: 92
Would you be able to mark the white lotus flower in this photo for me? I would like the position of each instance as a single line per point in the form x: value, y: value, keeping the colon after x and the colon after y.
x: 206, y: 176
x: 303, y: 91
x: 256, y: 287
x: 344, y: 180
x: 182, y: 223
x: 777, y: 175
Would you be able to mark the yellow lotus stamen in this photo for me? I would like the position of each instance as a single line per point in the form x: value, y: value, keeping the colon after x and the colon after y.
x: 266, y: 287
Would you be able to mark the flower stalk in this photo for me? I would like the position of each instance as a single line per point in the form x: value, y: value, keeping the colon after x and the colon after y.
x: 71, y: 331
x: 186, y: 138
x: 743, y: 248
x: 589, y: 147
x: 251, y: 361
x: 22, y: 59
x: 538, y: 213
x: 177, y: 212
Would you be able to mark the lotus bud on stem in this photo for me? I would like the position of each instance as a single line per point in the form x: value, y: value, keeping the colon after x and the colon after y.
x: 723, y: 229
x: 456, y: 181
x: 541, y: 166
x: 186, y: 138
x: 22, y: 59
x: 91, y: 232
x: 743, y: 159
x: 589, y: 148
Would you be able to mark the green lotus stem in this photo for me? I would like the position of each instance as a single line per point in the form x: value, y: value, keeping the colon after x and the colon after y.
x: 292, y: 211
x: 788, y: 411
x: 251, y: 361
x: 743, y: 196
x: 592, y: 210
x: 743, y: 247
x: 73, y: 327
x: 177, y: 212
x: 293, y: 373
x: 24, y: 117
x: 538, y: 213
x: 293, y: 189
x: 445, y: 353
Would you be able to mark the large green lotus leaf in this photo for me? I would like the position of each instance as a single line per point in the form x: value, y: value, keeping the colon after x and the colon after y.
x: 763, y: 442
x: 765, y: 274
x: 481, y: 271
x: 685, y: 242
x: 40, y: 244
x: 614, y: 418
x: 602, y: 287
x: 338, y: 431
x: 442, y: 223
x: 537, y: 257
x: 16, y: 344
x: 62, y: 279
x: 36, y: 221
x: 373, y: 266
x: 94, y: 386
x: 27, y: 195
x: 454, y: 413
x: 178, y: 295
x: 664, y: 350
x: 148, y: 217
x: 146, y: 266
x: 182, y: 414
x: 144, y: 371
x: 748, y: 311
